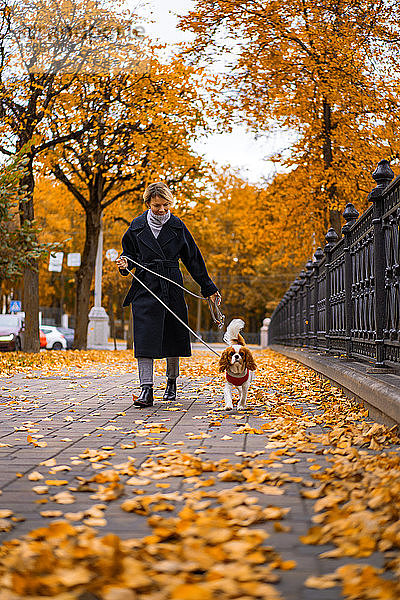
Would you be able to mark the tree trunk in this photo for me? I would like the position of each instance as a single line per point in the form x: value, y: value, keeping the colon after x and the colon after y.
x: 31, y: 273
x: 334, y: 214
x: 31, y: 308
x: 335, y: 221
x: 85, y: 275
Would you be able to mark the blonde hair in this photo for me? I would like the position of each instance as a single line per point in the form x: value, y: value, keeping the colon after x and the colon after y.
x: 158, y: 189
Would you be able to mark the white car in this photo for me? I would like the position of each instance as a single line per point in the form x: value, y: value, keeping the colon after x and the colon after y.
x: 55, y: 339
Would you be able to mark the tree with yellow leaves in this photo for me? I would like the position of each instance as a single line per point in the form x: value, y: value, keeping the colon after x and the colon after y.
x: 235, y: 224
x: 18, y: 245
x: 61, y: 220
x: 320, y: 68
x: 144, y: 120
x: 44, y: 46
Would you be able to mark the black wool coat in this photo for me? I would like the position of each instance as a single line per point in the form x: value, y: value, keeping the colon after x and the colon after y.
x: 157, y: 333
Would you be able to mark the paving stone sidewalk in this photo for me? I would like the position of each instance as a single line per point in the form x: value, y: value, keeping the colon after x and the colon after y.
x: 78, y: 412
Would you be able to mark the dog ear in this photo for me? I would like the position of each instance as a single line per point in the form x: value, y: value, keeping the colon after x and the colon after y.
x: 249, y: 360
x: 224, y: 360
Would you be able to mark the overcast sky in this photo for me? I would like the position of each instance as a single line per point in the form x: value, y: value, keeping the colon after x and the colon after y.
x: 239, y: 149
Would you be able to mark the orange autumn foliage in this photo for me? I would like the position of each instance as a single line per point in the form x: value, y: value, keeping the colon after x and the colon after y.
x: 326, y: 71
x: 44, y: 47
x: 142, y: 124
x: 61, y: 220
x: 235, y: 224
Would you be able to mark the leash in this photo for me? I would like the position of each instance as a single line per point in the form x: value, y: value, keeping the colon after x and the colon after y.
x: 161, y: 276
x: 217, y: 316
x: 220, y: 322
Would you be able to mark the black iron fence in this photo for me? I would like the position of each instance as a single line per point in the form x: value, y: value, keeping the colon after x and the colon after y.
x: 347, y: 300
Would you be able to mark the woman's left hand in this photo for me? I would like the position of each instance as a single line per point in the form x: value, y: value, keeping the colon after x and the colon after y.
x: 121, y: 262
x: 214, y: 297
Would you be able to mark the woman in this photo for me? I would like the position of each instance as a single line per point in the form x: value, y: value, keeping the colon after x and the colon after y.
x: 157, y: 239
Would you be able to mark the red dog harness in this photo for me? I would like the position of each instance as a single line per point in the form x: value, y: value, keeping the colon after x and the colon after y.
x: 237, y: 380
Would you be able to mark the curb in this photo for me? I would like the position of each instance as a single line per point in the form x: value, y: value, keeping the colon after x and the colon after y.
x: 380, y: 396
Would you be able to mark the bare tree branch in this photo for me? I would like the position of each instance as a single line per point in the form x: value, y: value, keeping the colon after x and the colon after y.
x: 61, y: 176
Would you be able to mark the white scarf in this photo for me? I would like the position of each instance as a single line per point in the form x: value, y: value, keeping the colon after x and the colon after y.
x: 156, y: 221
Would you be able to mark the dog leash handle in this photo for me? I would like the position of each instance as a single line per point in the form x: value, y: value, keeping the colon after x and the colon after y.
x: 217, y: 316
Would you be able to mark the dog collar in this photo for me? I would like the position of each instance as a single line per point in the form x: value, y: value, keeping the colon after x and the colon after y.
x: 237, y: 380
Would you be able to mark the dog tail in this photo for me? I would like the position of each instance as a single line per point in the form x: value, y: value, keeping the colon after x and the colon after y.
x: 232, y: 334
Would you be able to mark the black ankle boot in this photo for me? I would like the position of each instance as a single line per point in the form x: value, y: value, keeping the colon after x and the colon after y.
x: 146, y: 397
x: 170, y: 390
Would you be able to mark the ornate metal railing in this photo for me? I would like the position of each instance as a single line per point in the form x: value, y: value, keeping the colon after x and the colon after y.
x: 347, y: 300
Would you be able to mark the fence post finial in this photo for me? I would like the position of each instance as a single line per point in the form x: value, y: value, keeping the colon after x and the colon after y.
x: 331, y: 239
x: 383, y: 175
x: 350, y: 215
x: 318, y: 254
x: 309, y: 266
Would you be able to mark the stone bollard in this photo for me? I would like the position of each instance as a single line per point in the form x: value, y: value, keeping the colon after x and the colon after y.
x: 98, y: 329
x: 264, y: 333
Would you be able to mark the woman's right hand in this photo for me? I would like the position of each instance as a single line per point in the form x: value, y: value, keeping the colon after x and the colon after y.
x: 121, y: 262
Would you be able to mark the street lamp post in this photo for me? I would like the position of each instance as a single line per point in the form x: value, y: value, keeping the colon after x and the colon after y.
x: 98, y: 327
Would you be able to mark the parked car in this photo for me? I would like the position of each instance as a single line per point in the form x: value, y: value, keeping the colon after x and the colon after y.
x: 10, y: 328
x: 55, y: 339
x: 68, y: 333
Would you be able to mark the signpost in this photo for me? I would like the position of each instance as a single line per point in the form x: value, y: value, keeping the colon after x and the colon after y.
x: 73, y: 259
x: 56, y: 261
x: 15, y: 306
x: 98, y: 319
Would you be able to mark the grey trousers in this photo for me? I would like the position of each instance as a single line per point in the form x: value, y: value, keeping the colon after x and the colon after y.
x: 145, y: 366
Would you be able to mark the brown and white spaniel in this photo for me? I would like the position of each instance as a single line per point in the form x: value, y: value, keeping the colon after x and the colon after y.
x: 238, y: 363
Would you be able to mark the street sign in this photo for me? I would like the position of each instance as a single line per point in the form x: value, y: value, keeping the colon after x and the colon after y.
x: 56, y: 261
x: 15, y: 306
x: 112, y: 254
x: 74, y: 259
